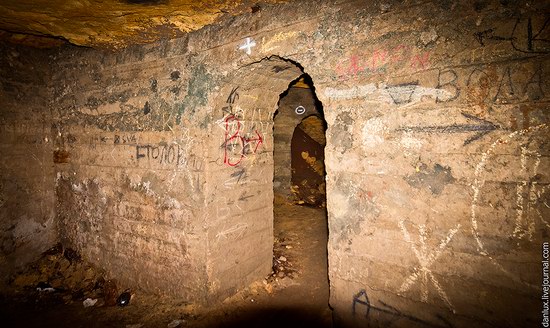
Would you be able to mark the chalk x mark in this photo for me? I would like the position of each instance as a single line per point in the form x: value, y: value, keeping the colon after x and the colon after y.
x: 479, y: 182
x: 426, y: 259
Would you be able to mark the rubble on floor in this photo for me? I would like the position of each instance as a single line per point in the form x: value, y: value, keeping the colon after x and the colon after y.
x: 283, y: 264
x: 60, y: 276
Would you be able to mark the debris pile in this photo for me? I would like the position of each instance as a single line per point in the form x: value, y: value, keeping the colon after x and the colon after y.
x: 283, y: 266
x: 309, y: 193
x: 61, y: 276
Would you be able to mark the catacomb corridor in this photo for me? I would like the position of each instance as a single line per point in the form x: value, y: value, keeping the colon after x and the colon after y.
x: 289, y: 163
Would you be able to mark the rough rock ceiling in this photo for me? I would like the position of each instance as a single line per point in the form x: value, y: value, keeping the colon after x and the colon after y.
x: 111, y: 23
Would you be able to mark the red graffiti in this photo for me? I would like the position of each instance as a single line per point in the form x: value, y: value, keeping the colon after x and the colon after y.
x: 378, y: 60
x: 420, y: 61
x: 351, y: 67
x: 236, y: 146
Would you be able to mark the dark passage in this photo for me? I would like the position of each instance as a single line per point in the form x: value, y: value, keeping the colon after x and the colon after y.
x: 300, y: 275
x: 308, y: 157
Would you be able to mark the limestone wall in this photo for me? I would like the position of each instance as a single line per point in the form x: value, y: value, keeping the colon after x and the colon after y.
x: 27, y: 222
x: 130, y: 175
x: 436, y: 150
x: 436, y: 156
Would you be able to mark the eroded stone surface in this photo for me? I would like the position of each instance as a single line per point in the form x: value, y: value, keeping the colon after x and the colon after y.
x: 112, y: 23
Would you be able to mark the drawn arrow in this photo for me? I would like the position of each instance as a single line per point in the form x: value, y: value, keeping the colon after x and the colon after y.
x: 402, y: 93
x: 481, y: 126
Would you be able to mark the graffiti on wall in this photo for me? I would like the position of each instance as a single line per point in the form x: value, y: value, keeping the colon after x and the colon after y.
x: 483, y: 87
x: 478, y: 126
x: 527, y: 35
x: 426, y: 258
x: 392, y: 316
x: 248, y: 45
x: 378, y: 60
x: 236, y: 144
x: 240, y: 141
x: 398, y: 94
x: 236, y: 231
x: 518, y: 160
x: 171, y: 154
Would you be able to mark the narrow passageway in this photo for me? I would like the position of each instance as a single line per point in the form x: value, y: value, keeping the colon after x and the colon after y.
x: 301, y: 233
x: 297, y: 292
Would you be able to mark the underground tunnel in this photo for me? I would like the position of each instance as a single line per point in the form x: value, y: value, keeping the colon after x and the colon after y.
x: 275, y: 163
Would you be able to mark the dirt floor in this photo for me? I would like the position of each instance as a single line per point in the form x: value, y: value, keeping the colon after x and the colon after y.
x: 294, y: 295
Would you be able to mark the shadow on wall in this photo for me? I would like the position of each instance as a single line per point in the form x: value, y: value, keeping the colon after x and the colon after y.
x: 308, y: 158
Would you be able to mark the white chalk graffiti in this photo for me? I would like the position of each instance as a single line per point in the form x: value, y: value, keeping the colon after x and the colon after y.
x: 530, y: 196
x: 373, y: 132
x: 525, y: 223
x: 426, y: 258
x: 382, y: 93
x: 238, y: 230
x: 248, y: 45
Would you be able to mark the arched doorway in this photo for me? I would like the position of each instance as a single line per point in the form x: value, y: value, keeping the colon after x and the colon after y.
x: 300, y: 221
x: 240, y: 194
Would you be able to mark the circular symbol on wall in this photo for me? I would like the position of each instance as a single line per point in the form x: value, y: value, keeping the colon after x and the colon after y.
x: 300, y: 110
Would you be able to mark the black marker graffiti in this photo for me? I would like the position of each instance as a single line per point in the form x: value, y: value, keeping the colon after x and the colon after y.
x: 488, y: 35
x: 444, y: 82
x: 233, y: 96
x: 392, y: 311
x: 505, y: 85
x: 357, y: 299
x: 402, y: 93
x: 163, y: 154
x: 481, y: 126
x: 533, y: 42
x: 525, y: 37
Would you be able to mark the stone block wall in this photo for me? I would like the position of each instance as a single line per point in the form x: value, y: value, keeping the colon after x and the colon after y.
x: 27, y: 220
x: 436, y: 150
x: 437, y: 161
x: 130, y: 170
x: 436, y: 156
x: 240, y: 180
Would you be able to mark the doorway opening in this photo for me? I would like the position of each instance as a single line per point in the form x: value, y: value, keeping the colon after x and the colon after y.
x: 300, y: 264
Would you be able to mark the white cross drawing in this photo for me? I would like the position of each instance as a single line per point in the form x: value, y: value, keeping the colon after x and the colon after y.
x: 525, y: 223
x: 248, y: 45
x: 426, y: 259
